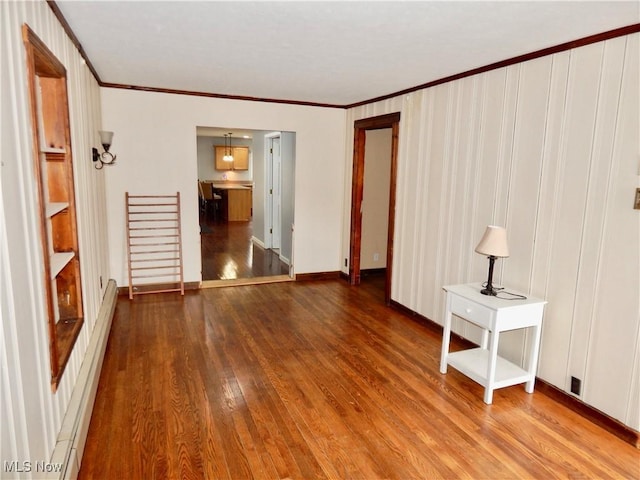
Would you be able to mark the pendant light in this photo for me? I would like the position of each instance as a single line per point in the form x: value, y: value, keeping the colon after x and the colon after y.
x: 228, y: 157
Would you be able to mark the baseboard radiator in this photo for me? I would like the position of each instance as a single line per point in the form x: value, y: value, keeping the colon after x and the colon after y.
x: 75, y: 425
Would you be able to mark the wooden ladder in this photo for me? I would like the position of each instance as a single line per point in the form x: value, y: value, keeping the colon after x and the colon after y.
x: 154, y: 244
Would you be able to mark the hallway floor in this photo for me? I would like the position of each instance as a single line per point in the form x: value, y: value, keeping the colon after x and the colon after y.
x: 229, y: 254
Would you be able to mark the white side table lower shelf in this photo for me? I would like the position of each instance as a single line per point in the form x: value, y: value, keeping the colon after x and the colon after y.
x: 494, y: 315
x: 473, y: 363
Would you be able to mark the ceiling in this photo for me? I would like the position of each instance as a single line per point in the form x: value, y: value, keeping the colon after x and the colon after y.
x: 335, y: 53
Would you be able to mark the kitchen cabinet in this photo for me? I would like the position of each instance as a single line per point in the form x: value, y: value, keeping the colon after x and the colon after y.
x: 240, y: 158
x: 237, y: 202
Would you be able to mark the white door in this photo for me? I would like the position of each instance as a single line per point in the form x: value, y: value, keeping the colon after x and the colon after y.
x: 273, y: 193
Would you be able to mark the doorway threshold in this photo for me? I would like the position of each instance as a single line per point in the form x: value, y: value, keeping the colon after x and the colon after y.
x: 235, y: 282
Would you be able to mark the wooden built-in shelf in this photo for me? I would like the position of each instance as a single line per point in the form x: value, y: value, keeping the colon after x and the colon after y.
x: 54, y: 208
x: 57, y: 210
x: 59, y: 260
x: 53, y: 150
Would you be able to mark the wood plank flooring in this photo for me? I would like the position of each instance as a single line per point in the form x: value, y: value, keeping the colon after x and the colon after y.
x: 228, y: 253
x: 316, y: 380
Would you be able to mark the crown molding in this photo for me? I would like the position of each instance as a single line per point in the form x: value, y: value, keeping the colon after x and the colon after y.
x: 218, y: 95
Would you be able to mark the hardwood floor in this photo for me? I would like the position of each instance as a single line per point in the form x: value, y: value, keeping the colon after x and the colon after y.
x: 228, y: 253
x: 315, y: 380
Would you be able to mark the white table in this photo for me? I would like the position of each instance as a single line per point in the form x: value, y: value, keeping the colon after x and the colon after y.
x: 494, y: 315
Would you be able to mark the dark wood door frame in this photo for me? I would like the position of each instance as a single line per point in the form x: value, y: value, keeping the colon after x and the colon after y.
x: 392, y: 121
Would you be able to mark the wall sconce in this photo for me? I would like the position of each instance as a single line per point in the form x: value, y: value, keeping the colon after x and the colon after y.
x: 493, y: 244
x: 228, y: 157
x: 106, y: 157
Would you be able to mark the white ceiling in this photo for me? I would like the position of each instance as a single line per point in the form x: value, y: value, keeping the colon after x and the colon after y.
x: 336, y: 53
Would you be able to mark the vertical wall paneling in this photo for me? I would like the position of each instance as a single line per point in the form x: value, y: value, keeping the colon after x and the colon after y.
x: 12, y: 442
x: 599, y: 173
x: 448, y: 190
x: 473, y: 168
x: 526, y: 168
x: 423, y: 292
x: 468, y: 140
x: 584, y: 83
x: 412, y: 207
x: 629, y: 118
x: 555, y: 334
x: 406, y: 180
x: 477, y: 196
x: 612, y: 348
x: 417, y: 172
x: 436, y: 163
x: 490, y: 119
x: 29, y: 333
x: 455, y: 155
x: 505, y: 153
x: 549, y: 148
x: 36, y: 413
x: 524, y: 185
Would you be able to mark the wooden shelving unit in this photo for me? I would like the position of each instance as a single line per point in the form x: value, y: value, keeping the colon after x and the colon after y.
x: 154, y: 244
x: 57, y: 211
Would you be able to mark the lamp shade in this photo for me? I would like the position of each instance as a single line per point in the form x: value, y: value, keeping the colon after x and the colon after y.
x: 106, y: 138
x: 494, y: 242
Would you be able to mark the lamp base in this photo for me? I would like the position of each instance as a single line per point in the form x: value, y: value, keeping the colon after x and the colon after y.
x: 489, y: 291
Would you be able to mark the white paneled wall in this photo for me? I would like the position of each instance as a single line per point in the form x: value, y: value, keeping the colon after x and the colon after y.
x: 550, y: 149
x: 31, y: 414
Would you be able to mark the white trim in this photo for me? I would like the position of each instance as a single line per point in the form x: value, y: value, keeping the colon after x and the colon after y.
x: 75, y: 424
x: 258, y: 242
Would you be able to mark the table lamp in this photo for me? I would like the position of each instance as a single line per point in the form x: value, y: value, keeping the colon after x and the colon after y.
x: 493, y: 244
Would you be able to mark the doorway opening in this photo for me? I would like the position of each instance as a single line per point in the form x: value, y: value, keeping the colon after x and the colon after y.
x: 237, y: 207
x: 358, y: 206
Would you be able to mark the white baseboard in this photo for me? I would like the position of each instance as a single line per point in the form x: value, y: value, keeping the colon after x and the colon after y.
x: 258, y: 242
x: 68, y: 451
x: 285, y: 260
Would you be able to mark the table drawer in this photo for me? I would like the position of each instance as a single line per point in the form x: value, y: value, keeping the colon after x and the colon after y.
x: 471, y: 311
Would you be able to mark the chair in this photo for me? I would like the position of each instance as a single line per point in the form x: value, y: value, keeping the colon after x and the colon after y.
x: 201, y: 199
x: 208, y: 199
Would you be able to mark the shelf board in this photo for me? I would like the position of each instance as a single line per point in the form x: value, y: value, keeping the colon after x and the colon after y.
x: 55, y: 207
x: 474, y: 363
x: 59, y: 260
x: 54, y: 154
